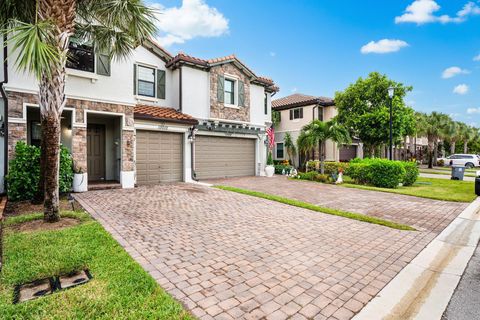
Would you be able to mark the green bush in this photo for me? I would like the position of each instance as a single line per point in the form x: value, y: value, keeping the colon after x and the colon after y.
x: 314, y: 176
x: 411, y: 172
x: 280, y: 167
x: 378, y: 172
x: 24, y: 172
x: 330, y: 167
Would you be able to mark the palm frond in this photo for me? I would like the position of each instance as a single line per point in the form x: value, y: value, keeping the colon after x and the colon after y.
x: 36, y: 54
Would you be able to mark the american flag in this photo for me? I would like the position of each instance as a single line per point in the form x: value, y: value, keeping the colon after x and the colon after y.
x: 271, y: 137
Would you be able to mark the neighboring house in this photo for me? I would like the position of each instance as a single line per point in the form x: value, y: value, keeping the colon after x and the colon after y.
x: 150, y: 118
x: 296, y: 111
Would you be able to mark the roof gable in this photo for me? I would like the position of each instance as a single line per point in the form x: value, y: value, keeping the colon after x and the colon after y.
x: 300, y: 100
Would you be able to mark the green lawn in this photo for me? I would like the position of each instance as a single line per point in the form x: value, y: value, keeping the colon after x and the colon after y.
x: 439, y: 189
x: 120, y: 288
x: 309, y: 206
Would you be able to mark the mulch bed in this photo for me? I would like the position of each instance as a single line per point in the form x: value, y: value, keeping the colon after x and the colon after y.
x: 37, y: 225
x: 26, y: 207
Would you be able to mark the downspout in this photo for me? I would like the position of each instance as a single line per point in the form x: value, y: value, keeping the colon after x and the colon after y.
x: 191, y: 137
x: 5, y: 109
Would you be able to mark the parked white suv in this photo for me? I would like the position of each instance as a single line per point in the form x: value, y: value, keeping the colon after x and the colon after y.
x: 466, y: 160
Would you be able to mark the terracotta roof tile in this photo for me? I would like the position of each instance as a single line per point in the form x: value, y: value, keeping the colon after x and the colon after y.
x: 162, y: 114
x: 298, y: 100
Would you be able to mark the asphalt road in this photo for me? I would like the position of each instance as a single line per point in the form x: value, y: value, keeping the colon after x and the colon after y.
x: 465, y: 302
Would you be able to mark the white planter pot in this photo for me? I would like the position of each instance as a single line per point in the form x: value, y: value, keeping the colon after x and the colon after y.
x: 80, y: 182
x: 269, y: 171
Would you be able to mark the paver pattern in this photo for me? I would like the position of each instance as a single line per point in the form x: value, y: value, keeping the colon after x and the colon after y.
x: 420, y: 213
x: 230, y: 256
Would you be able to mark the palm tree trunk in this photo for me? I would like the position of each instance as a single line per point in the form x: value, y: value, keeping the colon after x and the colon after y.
x: 465, y: 146
x: 322, y: 157
x: 52, y: 165
x: 430, y: 153
x: 452, y: 147
x: 435, y: 152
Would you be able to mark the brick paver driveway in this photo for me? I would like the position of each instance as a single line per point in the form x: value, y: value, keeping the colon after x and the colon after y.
x: 230, y: 256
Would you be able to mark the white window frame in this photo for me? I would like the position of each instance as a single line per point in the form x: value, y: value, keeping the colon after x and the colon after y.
x: 276, y: 151
x: 297, y: 109
x: 234, y: 79
x: 141, y: 96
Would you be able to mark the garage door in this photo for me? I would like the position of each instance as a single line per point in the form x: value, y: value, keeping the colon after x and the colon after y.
x: 159, y: 157
x: 348, y: 153
x: 219, y: 157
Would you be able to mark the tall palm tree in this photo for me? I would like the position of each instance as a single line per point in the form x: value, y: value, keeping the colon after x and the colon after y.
x: 452, y: 134
x: 317, y: 132
x: 40, y: 30
x: 290, y: 147
x: 468, y: 134
x: 432, y: 127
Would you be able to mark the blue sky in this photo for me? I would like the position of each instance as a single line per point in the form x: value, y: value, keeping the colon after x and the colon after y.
x: 314, y: 47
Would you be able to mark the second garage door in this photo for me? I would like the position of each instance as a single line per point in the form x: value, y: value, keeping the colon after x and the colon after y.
x: 348, y: 153
x: 159, y: 157
x: 220, y: 157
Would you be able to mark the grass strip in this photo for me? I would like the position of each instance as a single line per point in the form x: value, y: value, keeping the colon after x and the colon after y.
x: 309, y: 206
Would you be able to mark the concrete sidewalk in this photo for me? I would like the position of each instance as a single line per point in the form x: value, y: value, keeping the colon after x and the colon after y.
x: 423, y: 289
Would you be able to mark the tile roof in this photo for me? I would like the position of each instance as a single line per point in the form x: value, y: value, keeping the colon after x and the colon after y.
x: 299, y: 100
x: 202, y: 63
x: 162, y: 114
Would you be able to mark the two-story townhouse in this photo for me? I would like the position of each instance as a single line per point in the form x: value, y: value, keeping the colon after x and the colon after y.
x: 138, y: 120
x: 298, y: 110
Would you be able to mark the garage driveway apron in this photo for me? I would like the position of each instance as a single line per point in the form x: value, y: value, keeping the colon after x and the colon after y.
x: 230, y: 256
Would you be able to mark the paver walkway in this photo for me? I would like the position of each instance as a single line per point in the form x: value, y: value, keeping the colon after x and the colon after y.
x: 230, y: 256
x: 421, y: 213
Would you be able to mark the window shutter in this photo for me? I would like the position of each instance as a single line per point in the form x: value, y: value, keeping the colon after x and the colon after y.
x: 291, y: 114
x: 301, y: 113
x: 103, y: 64
x: 134, y: 79
x: 241, y: 94
x: 221, y: 89
x: 160, y: 84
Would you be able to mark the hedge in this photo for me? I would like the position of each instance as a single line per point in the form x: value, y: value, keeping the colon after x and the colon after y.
x: 24, y: 172
x: 331, y: 167
x: 382, y: 173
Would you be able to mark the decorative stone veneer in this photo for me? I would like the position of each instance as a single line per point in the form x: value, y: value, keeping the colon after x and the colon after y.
x: 218, y: 109
x: 18, y: 131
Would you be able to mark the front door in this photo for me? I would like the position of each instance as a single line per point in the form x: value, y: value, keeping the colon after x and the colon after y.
x: 96, y: 152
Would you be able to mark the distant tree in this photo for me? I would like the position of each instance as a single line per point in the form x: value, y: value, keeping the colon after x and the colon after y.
x: 364, y: 109
x: 433, y: 125
x: 290, y: 147
x: 317, y: 132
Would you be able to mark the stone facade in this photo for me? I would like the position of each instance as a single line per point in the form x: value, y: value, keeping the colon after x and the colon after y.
x: 218, y: 109
x: 17, y: 130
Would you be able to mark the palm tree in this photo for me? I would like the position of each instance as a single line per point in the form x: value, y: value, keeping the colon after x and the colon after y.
x: 40, y: 32
x: 432, y: 127
x: 290, y: 147
x: 317, y: 132
x: 452, y: 134
x: 468, y: 134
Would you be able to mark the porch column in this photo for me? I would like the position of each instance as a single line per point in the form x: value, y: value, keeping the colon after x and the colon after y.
x: 127, y: 176
x: 79, y: 147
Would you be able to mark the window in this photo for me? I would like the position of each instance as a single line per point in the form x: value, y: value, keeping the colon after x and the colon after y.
x: 35, y: 133
x: 229, y: 91
x: 265, y: 102
x: 279, y: 154
x: 80, y: 56
x: 296, y: 113
x: 146, y: 81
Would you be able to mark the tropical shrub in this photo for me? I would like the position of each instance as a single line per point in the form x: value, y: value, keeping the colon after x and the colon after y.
x: 279, y: 168
x: 377, y: 172
x: 24, y: 172
x: 331, y: 167
x: 411, y: 172
x: 441, y: 163
x: 314, y: 176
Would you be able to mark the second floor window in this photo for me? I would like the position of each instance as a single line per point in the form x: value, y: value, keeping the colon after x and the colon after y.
x: 229, y: 91
x: 265, y: 102
x: 296, y: 113
x: 146, y: 81
x: 80, y: 56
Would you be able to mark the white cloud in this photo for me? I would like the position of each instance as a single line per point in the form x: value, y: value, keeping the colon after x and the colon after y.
x: 272, y: 54
x: 294, y: 90
x: 423, y: 11
x: 453, y: 71
x: 473, y: 110
x: 461, y: 89
x: 194, y: 18
x: 383, y: 46
x: 476, y: 58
